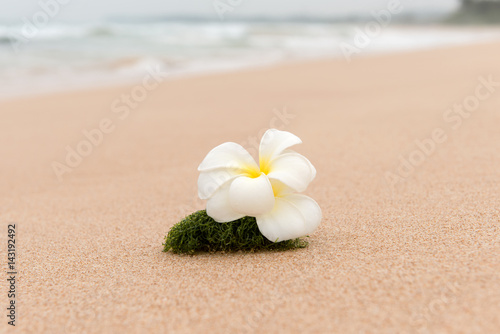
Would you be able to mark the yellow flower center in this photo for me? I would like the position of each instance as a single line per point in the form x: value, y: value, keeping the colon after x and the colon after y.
x: 265, y: 168
x: 252, y: 172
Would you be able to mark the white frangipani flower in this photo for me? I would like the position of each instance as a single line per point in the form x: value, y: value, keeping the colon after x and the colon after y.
x: 235, y: 186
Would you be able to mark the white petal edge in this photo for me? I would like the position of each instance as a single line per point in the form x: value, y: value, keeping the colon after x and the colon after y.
x: 219, y: 207
x: 210, y: 181
x: 292, y: 169
x: 274, y: 142
x: 313, y: 176
x: 293, y: 216
x: 251, y: 196
x: 228, y: 155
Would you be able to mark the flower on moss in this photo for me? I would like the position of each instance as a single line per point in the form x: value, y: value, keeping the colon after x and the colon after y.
x: 235, y: 186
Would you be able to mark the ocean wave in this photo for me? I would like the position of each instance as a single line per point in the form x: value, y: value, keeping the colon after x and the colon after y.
x: 125, y: 50
x: 170, y: 32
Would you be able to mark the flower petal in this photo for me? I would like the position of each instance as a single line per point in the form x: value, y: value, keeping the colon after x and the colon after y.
x: 223, y: 163
x: 219, y: 206
x: 280, y: 189
x: 308, y: 208
x: 210, y: 181
x: 293, y: 216
x: 228, y: 155
x: 251, y: 196
x: 310, y: 164
x: 274, y: 142
x: 292, y: 169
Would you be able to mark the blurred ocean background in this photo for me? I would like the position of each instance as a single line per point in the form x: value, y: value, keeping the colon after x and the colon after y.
x: 66, y: 56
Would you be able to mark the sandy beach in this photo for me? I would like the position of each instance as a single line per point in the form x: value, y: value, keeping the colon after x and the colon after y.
x: 407, y: 149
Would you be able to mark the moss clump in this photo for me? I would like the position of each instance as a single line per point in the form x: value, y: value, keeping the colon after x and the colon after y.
x: 200, y: 233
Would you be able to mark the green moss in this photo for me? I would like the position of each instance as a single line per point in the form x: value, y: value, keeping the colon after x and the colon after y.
x: 200, y: 233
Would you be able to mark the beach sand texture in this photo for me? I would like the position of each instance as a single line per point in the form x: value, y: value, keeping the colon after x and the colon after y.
x: 421, y: 256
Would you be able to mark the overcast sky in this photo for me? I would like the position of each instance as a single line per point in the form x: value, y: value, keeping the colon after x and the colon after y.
x: 14, y: 10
